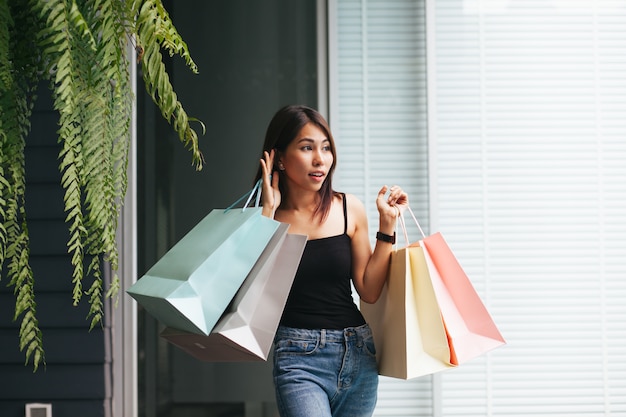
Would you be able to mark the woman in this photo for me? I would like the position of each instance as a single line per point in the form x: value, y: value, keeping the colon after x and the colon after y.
x: 324, y: 356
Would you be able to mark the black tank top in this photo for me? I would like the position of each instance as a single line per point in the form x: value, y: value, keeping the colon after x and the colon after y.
x: 321, y: 295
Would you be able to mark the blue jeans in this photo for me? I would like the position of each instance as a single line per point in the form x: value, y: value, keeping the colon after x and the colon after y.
x: 325, y: 373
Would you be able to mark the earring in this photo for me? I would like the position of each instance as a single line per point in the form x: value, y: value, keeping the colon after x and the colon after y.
x: 281, y: 166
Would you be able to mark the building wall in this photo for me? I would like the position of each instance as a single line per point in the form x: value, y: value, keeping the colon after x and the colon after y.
x: 73, y: 379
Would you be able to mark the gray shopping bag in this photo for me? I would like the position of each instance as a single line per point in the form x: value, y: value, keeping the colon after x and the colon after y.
x: 246, y: 330
x: 192, y: 284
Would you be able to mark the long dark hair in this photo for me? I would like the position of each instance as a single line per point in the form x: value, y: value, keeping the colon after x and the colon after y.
x: 282, y: 130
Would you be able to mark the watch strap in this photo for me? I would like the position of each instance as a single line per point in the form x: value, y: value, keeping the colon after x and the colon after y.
x: 386, y: 238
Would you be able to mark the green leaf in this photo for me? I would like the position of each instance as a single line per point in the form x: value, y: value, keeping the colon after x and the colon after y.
x: 79, y: 47
x: 154, y: 32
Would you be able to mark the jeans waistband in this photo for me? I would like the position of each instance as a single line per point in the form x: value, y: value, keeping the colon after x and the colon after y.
x: 325, y: 335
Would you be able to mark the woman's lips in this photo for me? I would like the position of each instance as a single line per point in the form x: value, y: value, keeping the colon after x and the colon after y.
x: 317, y: 176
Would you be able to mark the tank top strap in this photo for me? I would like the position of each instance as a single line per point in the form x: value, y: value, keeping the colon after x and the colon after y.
x: 345, y: 214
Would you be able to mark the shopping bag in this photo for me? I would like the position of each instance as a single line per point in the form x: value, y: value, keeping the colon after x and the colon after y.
x: 470, y: 328
x: 192, y: 284
x: 406, y: 322
x: 246, y: 330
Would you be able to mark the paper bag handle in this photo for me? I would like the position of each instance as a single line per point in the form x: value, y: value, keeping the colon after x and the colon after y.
x: 403, y: 225
x: 255, y: 190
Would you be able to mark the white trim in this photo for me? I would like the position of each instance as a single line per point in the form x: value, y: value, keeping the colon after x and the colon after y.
x: 366, y: 124
x: 431, y: 106
x: 36, y: 409
x: 124, y: 322
x: 332, y: 62
x: 433, y: 206
x: 322, y: 57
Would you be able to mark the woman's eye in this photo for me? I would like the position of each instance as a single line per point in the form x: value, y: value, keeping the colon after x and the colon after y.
x: 326, y: 148
x: 306, y: 148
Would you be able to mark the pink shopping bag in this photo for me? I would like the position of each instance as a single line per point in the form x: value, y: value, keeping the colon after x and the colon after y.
x: 470, y: 329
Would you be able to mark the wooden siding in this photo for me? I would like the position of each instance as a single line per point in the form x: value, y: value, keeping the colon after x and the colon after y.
x: 74, y: 377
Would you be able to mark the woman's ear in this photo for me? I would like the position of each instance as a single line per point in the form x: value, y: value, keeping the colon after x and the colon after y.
x: 278, y: 160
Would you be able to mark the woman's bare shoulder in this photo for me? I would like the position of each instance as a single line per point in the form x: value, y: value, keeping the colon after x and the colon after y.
x: 353, y: 202
x: 357, y: 217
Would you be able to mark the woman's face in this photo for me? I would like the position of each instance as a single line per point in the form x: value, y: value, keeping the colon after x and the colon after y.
x: 307, y: 159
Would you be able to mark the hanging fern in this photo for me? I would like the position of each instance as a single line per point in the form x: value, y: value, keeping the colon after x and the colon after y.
x: 80, y: 47
x: 155, y: 29
x: 19, y: 75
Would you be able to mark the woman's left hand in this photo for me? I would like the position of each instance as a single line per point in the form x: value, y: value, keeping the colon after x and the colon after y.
x: 391, y: 206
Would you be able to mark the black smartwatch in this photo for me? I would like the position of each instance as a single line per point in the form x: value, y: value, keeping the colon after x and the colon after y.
x: 386, y: 238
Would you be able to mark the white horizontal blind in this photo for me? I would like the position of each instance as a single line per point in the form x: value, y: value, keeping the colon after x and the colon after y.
x: 379, y: 111
x: 528, y: 151
x: 378, y: 115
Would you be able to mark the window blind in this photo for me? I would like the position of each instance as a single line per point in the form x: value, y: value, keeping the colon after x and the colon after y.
x: 378, y: 115
x: 528, y: 184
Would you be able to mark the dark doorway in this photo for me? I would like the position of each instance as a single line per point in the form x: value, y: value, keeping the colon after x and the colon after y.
x: 253, y: 58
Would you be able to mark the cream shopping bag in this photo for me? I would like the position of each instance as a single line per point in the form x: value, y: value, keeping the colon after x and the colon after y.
x: 406, y: 322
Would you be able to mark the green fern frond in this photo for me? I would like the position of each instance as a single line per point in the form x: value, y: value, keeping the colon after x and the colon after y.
x: 80, y: 47
x: 92, y: 94
x: 31, y: 339
x: 22, y: 280
x: 106, y: 155
x: 20, y: 75
x: 6, y: 23
x: 18, y: 253
x: 114, y: 289
x: 71, y: 181
x: 71, y: 63
x: 6, y: 199
x: 169, y: 38
x: 80, y: 25
x: 95, y: 293
x: 4, y: 196
x: 150, y: 30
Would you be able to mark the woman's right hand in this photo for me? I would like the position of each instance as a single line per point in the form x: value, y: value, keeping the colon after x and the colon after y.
x: 271, y: 193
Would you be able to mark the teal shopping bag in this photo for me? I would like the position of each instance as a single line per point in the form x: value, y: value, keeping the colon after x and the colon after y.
x: 246, y: 330
x: 191, y: 286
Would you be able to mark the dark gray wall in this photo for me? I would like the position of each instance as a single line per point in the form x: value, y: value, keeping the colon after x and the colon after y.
x: 73, y: 379
x: 253, y: 57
